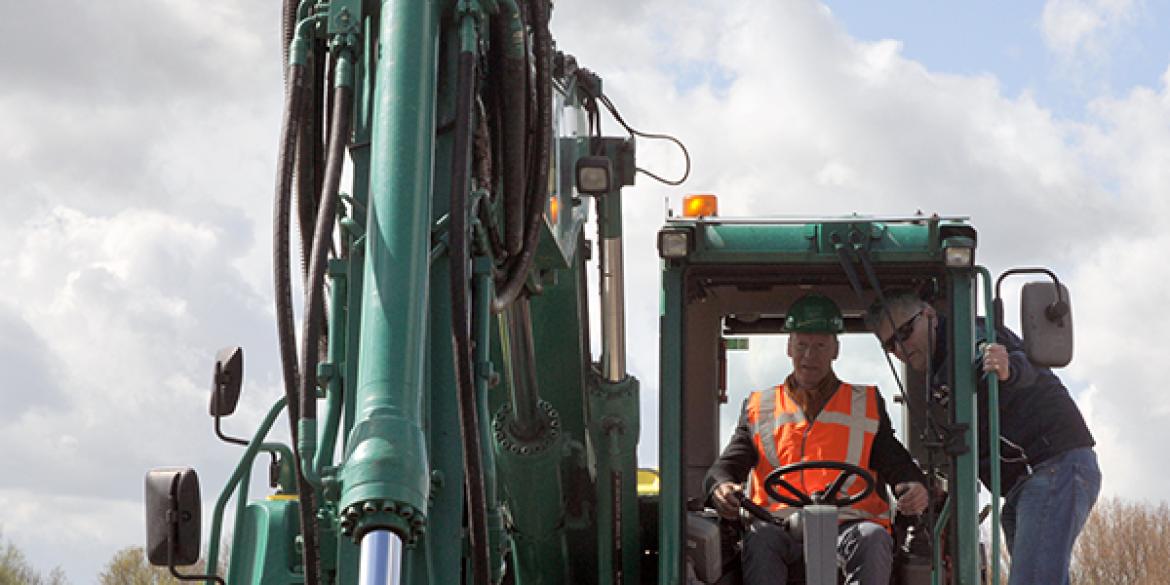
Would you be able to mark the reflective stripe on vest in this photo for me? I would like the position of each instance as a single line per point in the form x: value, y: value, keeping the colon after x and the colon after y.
x: 858, y: 424
x: 767, y: 420
x: 770, y: 410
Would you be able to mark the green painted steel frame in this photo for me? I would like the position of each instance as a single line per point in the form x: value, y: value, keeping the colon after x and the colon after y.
x: 964, y: 485
x: 670, y: 427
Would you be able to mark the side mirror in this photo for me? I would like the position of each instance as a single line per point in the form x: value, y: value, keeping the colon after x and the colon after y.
x: 226, y: 381
x: 172, y: 516
x: 1046, y: 324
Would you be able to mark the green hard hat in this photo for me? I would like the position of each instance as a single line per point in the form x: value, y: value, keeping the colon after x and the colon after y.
x: 814, y: 313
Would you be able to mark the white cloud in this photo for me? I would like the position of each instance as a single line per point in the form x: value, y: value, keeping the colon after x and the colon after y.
x: 128, y: 311
x: 1084, y: 28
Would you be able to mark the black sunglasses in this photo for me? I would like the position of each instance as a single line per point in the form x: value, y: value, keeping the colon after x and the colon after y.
x: 902, y: 333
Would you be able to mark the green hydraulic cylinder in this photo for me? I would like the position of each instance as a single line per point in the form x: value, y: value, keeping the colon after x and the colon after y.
x: 529, y: 445
x: 353, y: 261
x: 613, y: 412
x: 385, y: 480
x: 534, y: 499
x: 965, y: 485
x: 613, y: 429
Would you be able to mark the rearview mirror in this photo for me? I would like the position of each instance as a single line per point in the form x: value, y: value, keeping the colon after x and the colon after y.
x: 226, y: 380
x: 1046, y: 324
x: 172, y: 516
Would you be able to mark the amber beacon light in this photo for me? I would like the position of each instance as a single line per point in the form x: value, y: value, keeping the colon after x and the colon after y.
x: 705, y: 205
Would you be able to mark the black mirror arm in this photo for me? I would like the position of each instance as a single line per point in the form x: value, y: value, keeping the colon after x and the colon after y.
x: 182, y: 577
x: 226, y: 438
x: 1054, y: 312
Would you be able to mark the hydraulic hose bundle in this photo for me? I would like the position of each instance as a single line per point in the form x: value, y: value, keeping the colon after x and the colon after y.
x: 525, y: 178
x: 537, y: 159
x: 459, y: 254
x: 298, y: 166
x: 292, y: 121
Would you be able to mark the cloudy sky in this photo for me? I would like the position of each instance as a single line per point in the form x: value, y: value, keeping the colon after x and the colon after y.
x: 138, y: 152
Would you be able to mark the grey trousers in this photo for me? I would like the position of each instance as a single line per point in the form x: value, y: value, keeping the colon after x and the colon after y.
x: 864, y: 553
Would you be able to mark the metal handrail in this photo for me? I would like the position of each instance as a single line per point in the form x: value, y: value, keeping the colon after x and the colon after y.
x: 993, y: 426
x: 240, y: 477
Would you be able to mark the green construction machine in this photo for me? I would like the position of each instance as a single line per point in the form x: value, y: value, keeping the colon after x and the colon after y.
x: 467, y: 433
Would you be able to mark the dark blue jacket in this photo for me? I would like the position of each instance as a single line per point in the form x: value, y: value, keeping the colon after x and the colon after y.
x: 1037, y: 417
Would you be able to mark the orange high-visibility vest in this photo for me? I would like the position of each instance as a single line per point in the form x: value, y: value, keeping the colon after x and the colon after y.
x: 843, y: 431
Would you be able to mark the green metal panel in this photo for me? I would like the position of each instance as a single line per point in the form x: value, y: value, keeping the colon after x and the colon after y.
x: 964, y: 485
x: 743, y: 243
x: 444, y: 535
x: 560, y: 328
x: 670, y: 351
x: 564, y: 213
x: 263, y: 548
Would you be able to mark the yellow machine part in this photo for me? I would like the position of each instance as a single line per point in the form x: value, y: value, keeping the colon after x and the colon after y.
x: 648, y: 483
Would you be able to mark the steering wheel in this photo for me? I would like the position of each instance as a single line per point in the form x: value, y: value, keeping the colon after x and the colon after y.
x: 797, y: 498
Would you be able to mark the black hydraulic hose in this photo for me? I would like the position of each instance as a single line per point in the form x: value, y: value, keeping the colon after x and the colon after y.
x: 512, y: 93
x: 280, y: 235
x: 318, y: 261
x: 459, y: 251
x: 288, y: 27
x: 518, y: 267
x: 315, y: 288
x: 319, y: 254
x: 310, y: 155
x: 292, y: 120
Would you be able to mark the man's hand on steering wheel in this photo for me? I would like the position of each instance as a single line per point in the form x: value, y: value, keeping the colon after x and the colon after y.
x: 726, y: 497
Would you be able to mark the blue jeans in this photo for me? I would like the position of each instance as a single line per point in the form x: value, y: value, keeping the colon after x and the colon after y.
x: 864, y: 553
x: 1044, y: 513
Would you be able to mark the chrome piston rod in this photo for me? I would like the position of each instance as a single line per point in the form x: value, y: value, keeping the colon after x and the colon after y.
x: 381, y: 559
x: 613, y: 312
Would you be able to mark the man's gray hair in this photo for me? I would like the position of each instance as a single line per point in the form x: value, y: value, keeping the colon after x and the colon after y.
x: 897, y: 301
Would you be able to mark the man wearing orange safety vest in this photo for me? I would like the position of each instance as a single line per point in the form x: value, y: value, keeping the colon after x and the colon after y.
x: 813, y: 416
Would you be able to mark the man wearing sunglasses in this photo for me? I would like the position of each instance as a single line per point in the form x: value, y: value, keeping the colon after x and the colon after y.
x: 1049, y: 474
x: 813, y: 416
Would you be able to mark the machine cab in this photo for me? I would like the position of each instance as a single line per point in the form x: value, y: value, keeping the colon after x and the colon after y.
x: 727, y: 285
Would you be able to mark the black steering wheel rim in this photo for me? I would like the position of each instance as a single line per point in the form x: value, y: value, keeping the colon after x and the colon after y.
x: 798, y: 498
